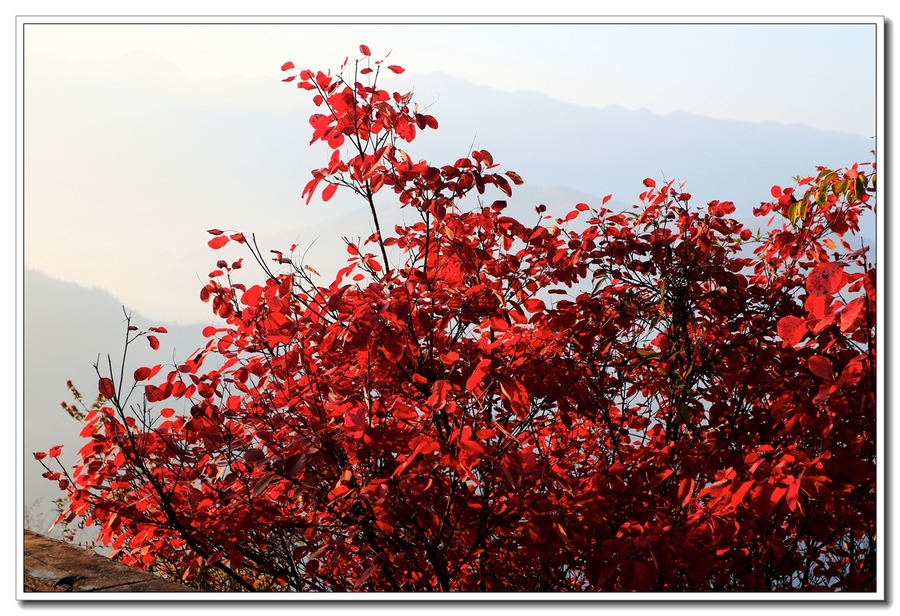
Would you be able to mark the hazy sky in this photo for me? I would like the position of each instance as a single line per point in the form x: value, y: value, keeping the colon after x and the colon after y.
x: 128, y: 160
x: 751, y: 72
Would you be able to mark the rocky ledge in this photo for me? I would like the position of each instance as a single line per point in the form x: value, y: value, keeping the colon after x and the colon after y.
x: 55, y: 566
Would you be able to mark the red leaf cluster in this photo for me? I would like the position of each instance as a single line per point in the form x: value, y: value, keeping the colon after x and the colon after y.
x: 610, y: 401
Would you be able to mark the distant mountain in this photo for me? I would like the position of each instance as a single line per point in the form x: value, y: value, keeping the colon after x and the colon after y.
x: 567, y: 153
x: 611, y: 150
x: 128, y: 162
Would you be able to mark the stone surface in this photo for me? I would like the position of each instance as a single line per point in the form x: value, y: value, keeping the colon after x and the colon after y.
x: 55, y: 566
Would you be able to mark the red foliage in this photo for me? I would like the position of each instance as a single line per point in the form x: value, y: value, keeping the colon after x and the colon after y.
x: 605, y: 401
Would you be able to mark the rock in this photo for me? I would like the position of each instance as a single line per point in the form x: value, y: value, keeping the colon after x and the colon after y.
x: 55, y: 566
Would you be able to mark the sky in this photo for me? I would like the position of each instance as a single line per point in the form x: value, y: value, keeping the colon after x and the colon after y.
x: 118, y: 163
x: 749, y: 72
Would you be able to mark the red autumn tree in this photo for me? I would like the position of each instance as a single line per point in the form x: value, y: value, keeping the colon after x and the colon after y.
x: 647, y: 400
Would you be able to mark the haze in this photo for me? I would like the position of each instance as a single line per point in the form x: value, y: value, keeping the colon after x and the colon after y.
x: 141, y: 137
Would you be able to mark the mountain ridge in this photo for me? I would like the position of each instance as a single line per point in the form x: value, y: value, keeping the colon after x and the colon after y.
x: 125, y: 184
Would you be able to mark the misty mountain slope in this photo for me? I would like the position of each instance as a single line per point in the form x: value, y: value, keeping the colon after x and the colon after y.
x: 611, y: 150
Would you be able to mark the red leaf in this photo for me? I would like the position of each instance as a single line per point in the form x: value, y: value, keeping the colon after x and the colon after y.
x: 214, y: 232
x: 850, y: 313
x: 217, y: 242
x: 449, y: 358
x: 294, y: 464
x: 825, y: 279
x: 777, y: 494
x: 55, y: 451
x: 154, y: 393
x: 154, y: 342
x: 209, y: 331
x: 776, y: 191
x: 438, y: 398
x: 39, y: 455
x: 329, y: 192
x: 534, y: 305
x: 501, y: 183
x: 254, y: 455
x: 478, y: 374
x: 365, y: 575
x: 287, y: 66
x: 261, y: 485
x: 685, y: 491
x: 659, y: 477
x: 515, y: 177
x: 519, y: 400
x: 392, y: 349
x: 422, y: 445
x: 820, y: 366
x: 472, y: 447
x: 721, y: 208
x: 106, y: 388
x: 251, y: 296
x: 142, y: 374
x: 649, y: 183
x: 356, y: 421
x: 815, y: 306
x: 167, y: 412
x: 583, y: 207
x: 869, y: 285
x: 364, y: 50
x: 396, y: 69
x: 792, y: 492
x: 791, y: 330
x: 338, y: 491
x: 310, y: 188
x: 741, y: 492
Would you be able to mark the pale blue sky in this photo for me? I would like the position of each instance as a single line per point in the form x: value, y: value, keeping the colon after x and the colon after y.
x: 822, y: 75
